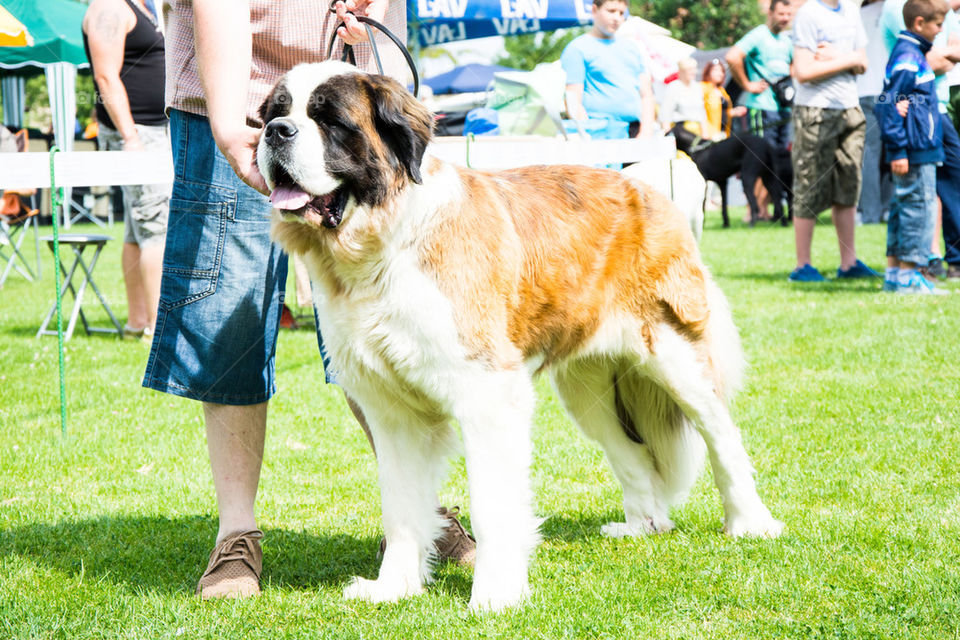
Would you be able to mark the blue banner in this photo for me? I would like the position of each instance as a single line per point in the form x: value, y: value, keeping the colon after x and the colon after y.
x: 435, y: 22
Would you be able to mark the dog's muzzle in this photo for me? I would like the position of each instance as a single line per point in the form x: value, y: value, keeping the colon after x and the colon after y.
x: 280, y: 131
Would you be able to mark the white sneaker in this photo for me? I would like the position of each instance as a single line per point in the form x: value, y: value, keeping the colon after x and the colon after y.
x: 918, y: 285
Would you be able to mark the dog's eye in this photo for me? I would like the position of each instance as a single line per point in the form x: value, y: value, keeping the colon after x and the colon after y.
x: 338, y: 126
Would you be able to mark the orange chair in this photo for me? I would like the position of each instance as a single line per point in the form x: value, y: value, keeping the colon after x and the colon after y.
x: 17, y: 211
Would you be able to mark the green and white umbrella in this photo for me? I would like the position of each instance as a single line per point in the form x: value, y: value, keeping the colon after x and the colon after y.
x: 57, y: 51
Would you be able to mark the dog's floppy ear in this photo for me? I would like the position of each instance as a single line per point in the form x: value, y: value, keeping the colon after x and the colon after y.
x: 402, y: 122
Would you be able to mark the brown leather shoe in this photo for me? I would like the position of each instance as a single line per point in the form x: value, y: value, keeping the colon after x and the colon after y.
x: 234, y: 567
x: 455, y: 543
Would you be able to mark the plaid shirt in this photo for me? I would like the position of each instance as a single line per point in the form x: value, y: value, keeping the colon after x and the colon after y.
x: 285, y: 33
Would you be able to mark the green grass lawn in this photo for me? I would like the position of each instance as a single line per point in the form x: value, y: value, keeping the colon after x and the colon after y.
x: 849, y: 413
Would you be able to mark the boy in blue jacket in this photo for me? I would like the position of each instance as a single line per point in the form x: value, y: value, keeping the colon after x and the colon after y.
x: 910, y: 129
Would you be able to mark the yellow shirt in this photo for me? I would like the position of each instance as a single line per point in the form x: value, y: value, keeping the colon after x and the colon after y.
x: 717, y: 103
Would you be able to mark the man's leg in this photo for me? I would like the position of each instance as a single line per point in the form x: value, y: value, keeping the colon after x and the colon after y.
x: 871, y: 198
x: 235, y: 436
x: 137, y: 316
x: 845, y: 222
x: 847, y: 183
x: 812, y: 158
x: 803, y: 238
x: 948, y: 188
x: 216, y: 336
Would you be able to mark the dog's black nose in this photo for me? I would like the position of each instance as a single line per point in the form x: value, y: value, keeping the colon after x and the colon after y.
x: 280, y: 130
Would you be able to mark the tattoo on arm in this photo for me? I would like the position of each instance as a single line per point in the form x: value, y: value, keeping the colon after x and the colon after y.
x: 108, y: 25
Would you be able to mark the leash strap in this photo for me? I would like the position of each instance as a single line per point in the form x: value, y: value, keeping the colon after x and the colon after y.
x: 56, y: 201
x: 348, y: 55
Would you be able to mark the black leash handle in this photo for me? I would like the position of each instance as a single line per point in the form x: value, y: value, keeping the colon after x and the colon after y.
x: 348, y: 55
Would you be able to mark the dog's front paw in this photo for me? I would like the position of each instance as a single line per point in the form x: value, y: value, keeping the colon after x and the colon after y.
x: 636, y: 528
x: 380, y: 590
x: 757, y: 526
x: 495, y: 601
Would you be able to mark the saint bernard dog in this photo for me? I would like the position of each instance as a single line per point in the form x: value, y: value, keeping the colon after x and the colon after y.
x: 440, y: 291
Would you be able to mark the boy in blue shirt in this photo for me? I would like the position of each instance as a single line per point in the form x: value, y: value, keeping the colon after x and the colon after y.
x: 912, y: 138
x: 606, y: 77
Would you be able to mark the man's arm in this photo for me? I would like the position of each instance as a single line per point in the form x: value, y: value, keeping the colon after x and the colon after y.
x: 942, y: 59
x: 810, y: 66
x: 224, y: 51
x: 573, y: 93
x: 647, y: 106
x: 736, y: 59
x: 106, y: 24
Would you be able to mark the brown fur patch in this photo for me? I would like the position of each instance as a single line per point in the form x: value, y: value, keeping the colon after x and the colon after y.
x: 542, y: 255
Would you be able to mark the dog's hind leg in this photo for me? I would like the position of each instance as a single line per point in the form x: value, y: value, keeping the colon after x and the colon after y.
x: 495, y: 410
x: 676, y: 366
x: 632, y: 421
x: 411, y: 457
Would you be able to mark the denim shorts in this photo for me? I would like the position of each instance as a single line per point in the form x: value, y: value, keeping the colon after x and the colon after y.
x: 223, y: 282
x: 913, y: 212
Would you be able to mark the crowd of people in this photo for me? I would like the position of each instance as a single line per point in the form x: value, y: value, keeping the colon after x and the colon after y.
x: 815, y: 78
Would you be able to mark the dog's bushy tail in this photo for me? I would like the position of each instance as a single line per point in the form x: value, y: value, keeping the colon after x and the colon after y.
x: 673, y: 441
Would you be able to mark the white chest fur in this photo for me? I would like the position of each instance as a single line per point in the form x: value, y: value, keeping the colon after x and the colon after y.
x: 392, y: 333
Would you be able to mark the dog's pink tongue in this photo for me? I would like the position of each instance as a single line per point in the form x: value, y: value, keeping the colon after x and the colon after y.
x: 290, y: 198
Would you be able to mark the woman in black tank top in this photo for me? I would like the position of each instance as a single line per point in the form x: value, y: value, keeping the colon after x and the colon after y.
x: 126, y: 51
x: 141, y: 71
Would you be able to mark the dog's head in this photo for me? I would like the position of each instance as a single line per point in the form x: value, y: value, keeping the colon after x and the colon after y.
x: 336, y: 137
x: 684, y: 137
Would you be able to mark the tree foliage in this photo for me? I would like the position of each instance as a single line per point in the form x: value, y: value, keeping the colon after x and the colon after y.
x: 528, y: 50
x: 706, y: 24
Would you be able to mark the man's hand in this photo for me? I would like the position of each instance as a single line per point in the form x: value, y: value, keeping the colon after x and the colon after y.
x: 756, y: 86
x: 903, y: 107
x: 133, y: 144
x: 900, y: 167
x: 858, y: 61
x: 353, y: 31
x: 825, y: 51
x: 939, y: 60
x: 239, y: 146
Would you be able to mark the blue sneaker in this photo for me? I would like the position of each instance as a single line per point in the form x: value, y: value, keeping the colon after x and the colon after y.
x: 858, y: 270
x: 806, y: 273
x: 918, y: 285
x: 891, y: 285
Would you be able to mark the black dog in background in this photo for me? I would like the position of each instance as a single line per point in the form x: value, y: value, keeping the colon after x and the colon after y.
x: 751, y: 156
